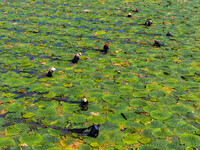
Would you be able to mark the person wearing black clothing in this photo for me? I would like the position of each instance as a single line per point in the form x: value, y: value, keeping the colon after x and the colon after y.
x: 50, y: 72
x: 168, y: 34
x: 148, y: 23
x: 105, y: 48
x: 84, y: 104
x: 76, y: 58
x: 94, y: 132
x: 156, y: 43
x: 129, y: 15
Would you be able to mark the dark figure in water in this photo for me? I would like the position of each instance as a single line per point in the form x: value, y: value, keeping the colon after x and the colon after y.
x: 168, y: 34
x: 148, y: 23
x: 84, y: 104
x: 76, y: 58
x: 105, y: 48
x: 94, y: 132
x: 156, y: 43
x: 129, y: 15
x: 50, y: 72
x: 136, y: 10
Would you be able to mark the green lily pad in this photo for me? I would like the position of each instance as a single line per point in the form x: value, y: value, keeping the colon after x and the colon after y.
x: 151, y: 108
x: 31, y: 139
x: 150, y: 87
x: 13, y: 82
x: 156, y: 124
x: 78, y: 118
x: 147, y: 147
x: 190, y: 140
x: 160, y: 115
x: 12, y: 131
x: 129, y: 77
x: 6, y: 142
x: 96, y: 119
x: 175, y: 122
x: 16, y: 108
x: 54, y: 148
x: 14, y: 115
x: 185, y: 129
x: 115, y: 118
x: 96, y: 96
x: 144, y: 140
x: 181, y: 109
x: 54, y: 132
x: 94, y: 144
x: 28, y: 115
x: 112, y: 99
x: 116, y: 137
x: 138, y: 103
x: 131, y: 139
x: 95, y: 108
x: 140, y: 94
x: 46, y: 112
x: 47, y: 104
x: 59, y: 90
x: 110, y: 127
x: 125, y: 89
x: 49, y: 95
x: 102, y: 138
x: 161, y: 133
x: 157, y: 93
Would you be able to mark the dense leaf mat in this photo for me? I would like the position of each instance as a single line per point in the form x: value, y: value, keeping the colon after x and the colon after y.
x: 144, y: 96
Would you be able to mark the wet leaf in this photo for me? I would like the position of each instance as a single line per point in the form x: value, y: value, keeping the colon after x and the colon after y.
x: 31, y: 139
x: 6, y: 142
x: 160, y: 115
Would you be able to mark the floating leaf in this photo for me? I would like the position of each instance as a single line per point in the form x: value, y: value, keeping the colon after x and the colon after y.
x: 46, y: 112
x: 131, y: 139
x: 54, y: 132
x: 157, y: 93
x: 181, y: 109
x: 144, y: 140
x: 140, y: 94
x: 94, y: 144
x: 175, y: 122
x: 160, y: 115
x: 112, y: 99
x: 151, y: 108
x: 116, y: 118
x: 54, y: 148
x: 190, y: 140
x: 185, y: 129
x: 147, y: 147
x: 16, y: 108
x: 59, y: 90
x: 47, y: 104
x: 49, y: 95
x: 69, y: 108
x: 129, y: 77
x: 156, y: 124
x: 12, y: 131
x: 150, y: 87
x: 161, y: 133
x: 28, y: 115
x: 78, y: 118
x: 138, y: 103
x: 31, y: 139
x: 6, y: 142
x: 96, y: 119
